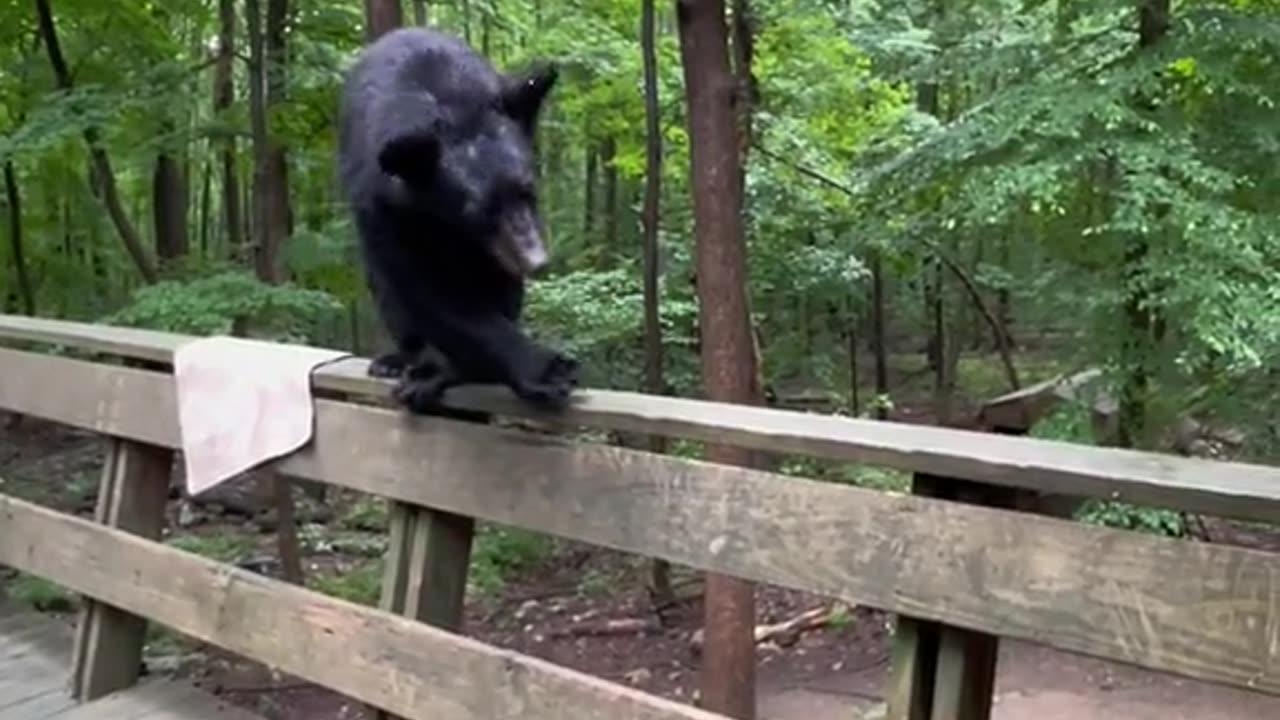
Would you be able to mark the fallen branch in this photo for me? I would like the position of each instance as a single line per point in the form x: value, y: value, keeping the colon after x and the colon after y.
x: 618, y: 626
x: 787, y: 632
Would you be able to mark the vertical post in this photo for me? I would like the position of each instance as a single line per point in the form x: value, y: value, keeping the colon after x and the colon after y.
x: 941, y: 672
x: 428, y: 555
x: 131, y: 496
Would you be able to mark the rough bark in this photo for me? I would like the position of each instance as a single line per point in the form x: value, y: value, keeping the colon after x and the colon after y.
x: 169, y: 206
x: 381, y: 16
x: 13, y: 198
x: 654, y: 382
x: 879, y: 334
x: 1145, y: 325
x: 727, y: 347
x: 267, y: 231
x: 608, y: 153
x: 102, y: 176
x: 223, y: 97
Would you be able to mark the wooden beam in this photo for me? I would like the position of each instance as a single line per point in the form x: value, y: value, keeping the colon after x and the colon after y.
x: 1240, y: 490
x: 131, y: 496
x: 1109, y: 593
x: 427, y: 560
x: 403, y: 666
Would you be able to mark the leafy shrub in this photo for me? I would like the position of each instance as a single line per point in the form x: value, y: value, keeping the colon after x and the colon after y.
x: 218, y: 303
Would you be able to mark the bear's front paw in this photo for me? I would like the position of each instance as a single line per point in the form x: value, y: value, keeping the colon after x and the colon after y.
x: 552, y: 387
x: 388, y: 365
x: 421, y: 396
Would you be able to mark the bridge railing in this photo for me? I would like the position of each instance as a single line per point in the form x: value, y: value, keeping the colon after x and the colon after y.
x: 958, y: 563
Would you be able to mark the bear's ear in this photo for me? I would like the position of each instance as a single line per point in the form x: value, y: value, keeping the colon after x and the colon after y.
x: 412, y: 157
x: 524, y: 93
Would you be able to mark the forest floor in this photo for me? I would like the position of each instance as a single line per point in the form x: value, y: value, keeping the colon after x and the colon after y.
x: 555, y: 600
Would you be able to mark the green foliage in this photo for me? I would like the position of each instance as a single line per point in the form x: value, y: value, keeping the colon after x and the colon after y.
x: 216, y: 304
x: 361, y: 583
x: 500, y: 552
x: 1070, y: 422
x: 41, y: 594
x: 1132, y: 517
x: 598, y: 317
x: 224, y: 547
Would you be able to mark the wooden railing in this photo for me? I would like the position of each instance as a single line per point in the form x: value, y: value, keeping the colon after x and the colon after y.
x: 958, y: 564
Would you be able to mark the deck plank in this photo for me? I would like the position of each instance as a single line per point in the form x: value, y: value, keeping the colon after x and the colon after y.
x: 35, y: 658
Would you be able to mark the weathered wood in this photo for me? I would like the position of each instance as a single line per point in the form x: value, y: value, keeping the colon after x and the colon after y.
x: 427, y: 562
x: 946, y: 673
x: 131, y: 496
x: 439, y: 560
x: 1240, y: 490
x: 405, y: 667
x: 964, y: 681
x: 913, y: 669
x: 34, y: 652
x: 401, y: 518
x: 33, y: 655
x: 1086, y: 589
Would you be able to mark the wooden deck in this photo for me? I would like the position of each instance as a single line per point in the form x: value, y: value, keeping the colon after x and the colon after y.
x: 35, y: 655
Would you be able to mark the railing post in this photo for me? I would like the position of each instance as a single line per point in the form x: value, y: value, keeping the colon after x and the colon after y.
x: 941, y: 672
x: 132, y: 495
x: 428, y: 556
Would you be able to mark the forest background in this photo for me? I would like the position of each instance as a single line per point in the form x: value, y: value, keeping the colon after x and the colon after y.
x: 944, y: 200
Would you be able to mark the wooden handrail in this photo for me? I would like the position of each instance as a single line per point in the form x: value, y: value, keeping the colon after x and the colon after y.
x: 1228, y: 489
x: 1207, y: 611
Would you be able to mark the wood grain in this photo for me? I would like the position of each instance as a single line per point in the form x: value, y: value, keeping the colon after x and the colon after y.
x: 402, y: 666
x: 1206, y: 611
x: 1240, y: 490
x: 131, y: 496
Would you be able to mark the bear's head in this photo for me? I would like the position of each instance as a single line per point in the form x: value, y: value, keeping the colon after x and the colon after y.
x: 472, y: 170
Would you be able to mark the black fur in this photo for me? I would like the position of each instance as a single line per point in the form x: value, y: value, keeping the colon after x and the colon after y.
x: 436, y: 159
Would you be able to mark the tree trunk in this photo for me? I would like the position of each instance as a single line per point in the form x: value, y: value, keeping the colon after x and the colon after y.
x: 275, y: 190
x: 381, y: 16
x: 727, y: 344
x: 102, y: 176
x: 654, y: 382
x: 223, y: 97
x: 420, y: 15
x: 169, y: 206
x: 267, y: 229
x: 878, y: 334
x: 608, y: 153
x: 206, y: 209
x: 1145, y: 326
x: 589, y: 197
x: 13, y: 197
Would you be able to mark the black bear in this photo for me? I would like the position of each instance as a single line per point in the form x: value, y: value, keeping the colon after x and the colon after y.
x: 436, y: 158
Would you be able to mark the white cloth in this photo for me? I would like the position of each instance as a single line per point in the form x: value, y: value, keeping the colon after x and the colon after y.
x: 241, y: 403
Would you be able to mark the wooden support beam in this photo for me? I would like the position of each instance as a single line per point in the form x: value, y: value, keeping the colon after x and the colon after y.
x: 425, y: 577
x: 134, y: 488
x: 408, y: 668
x: 941, y: 672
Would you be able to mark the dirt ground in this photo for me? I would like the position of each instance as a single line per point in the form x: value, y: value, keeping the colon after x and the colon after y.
x: 588, y: 609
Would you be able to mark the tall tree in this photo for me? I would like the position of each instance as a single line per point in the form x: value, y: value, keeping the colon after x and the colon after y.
x: 728, y: 359
x: 654, y: 383
x: 13, y: 198
x: 269, y: 226
x: 170, y: 197
x: 381, y: 16
x: 102, y: 176
x: 1145, y: 325
x: 277, y: 221
x: 223, y: 97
